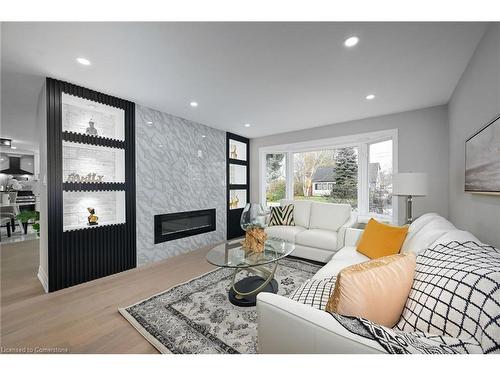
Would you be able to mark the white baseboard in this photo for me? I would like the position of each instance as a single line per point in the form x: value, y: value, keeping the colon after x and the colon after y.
x: 44, y: 280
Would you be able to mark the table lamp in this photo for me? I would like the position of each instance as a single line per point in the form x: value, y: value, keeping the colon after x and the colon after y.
x: 409, y: 185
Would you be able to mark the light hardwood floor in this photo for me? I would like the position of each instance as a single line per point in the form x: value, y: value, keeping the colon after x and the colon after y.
x: 83, y: 318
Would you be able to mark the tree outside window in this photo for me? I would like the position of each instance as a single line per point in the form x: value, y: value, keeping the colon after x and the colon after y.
x: 275, y: 179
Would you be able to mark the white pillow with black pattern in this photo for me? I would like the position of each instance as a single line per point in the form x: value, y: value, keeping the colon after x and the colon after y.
x: 282, y: 215
x: 456, y: 292
x: 315, y: 293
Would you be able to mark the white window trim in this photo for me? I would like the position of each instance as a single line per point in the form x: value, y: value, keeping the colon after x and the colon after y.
x: 359, y: 140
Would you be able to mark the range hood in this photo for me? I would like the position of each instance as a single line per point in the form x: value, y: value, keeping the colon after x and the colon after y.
x: 15, y: 167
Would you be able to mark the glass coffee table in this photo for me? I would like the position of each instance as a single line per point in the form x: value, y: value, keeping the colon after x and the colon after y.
x: 232, y: 255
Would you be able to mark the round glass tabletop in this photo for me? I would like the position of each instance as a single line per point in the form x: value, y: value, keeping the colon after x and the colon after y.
x: 232, y: 255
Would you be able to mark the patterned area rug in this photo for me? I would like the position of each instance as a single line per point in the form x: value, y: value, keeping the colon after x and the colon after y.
x: 197, y: 317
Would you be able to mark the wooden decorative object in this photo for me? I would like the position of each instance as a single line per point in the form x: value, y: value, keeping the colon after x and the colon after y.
x: 92, y: 217
x: 255, y: 239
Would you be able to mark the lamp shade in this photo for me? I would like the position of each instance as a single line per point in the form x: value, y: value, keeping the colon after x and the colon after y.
x: 414, y: 184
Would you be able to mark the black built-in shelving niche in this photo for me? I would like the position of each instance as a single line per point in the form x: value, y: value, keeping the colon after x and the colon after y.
x: 234, y: 229
x: 80, y: 255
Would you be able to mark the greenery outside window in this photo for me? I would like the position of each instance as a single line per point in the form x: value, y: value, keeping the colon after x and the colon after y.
x: 275, y: 178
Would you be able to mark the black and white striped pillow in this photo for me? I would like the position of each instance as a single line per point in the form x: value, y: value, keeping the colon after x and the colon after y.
x: 315, y: 292
x: 282, y: 215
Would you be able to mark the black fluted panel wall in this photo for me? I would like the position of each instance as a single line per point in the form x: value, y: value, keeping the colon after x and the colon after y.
x: 82, y: 255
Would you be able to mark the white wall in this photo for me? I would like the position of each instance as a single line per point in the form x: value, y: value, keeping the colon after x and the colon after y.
x: 422, y: 143
x: 43, y: 269
x: 475, y: 102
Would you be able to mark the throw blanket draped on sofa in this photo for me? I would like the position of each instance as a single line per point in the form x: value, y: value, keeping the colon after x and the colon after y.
x: 453, y: 306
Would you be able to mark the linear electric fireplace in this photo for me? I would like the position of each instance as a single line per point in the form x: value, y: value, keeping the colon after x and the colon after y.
x: 170, y: 227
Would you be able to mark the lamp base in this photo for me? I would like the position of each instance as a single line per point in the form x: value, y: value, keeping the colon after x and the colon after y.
x: 409, y: 215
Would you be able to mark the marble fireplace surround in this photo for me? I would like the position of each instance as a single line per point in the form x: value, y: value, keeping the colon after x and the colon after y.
x: 180, y: 166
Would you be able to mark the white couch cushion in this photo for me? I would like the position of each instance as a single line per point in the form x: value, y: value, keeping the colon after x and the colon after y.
x: 284, y: 232
x: 312, y: 253
x: 329, y: 216
x: 430, y: 232
x: 345, y: 257
x: 418, y: 224
x: 455, y: 235
x: 319, y: 238
x: 301, y: 211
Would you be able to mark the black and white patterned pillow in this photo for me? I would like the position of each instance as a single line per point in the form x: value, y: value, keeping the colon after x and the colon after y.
x: 282, y: 215
x: 315, y: 292
x: 456, y: 292
x: 399, y: 342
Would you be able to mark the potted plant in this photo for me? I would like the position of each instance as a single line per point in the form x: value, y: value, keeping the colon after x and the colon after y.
x: 26, y: 217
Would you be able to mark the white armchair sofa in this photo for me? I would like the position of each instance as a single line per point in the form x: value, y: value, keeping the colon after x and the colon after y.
x: 287, y: 326
x: 319, y: 229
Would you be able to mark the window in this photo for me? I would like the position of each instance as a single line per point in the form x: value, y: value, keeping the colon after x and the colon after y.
x: 326, y: 175
x: 275, y: 178
x: 380, y: 178
x: 356, y: 170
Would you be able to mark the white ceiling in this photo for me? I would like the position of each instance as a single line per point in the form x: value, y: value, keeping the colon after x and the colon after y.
x: 278, y: 77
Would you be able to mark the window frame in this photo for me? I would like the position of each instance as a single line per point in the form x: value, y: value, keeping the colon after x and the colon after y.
x: 361, y: 141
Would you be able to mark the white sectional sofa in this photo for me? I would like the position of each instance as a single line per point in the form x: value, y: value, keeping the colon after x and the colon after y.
x: 319, y: 229
x: 286, y: 326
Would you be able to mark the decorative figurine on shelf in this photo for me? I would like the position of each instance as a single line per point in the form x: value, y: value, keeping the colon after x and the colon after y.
x: 233, y: 154
x: 92, y: 217
x: 91, y: 177
x: 253, y: 221
x: 233, y: 203
x: 91, y: 130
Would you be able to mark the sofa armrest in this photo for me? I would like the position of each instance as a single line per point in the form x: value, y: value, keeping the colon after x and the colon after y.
x: 353, y: 219
x: 352, y: 236
x: 287, y: 326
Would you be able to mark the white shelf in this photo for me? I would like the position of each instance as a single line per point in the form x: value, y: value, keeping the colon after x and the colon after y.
x: 109, y: 208
x: 238, y: 149
x: 109, y: 122
x: 83, y: 159
x: 237, y: 174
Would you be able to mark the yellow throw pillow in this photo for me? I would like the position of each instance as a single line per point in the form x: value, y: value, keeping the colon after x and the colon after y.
x: 376, y: 290
x: 379, y: 240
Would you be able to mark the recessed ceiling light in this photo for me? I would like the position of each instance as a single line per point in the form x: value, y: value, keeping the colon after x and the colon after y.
x: 203, y: 136
x: 351, y: 41
x: 160, y: 145
x: 193, y: 104
x: 13, y: 147
x: 370, y: 97
x: 246, y: 125
x: 149, y: 122
x: 83, y: 61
